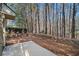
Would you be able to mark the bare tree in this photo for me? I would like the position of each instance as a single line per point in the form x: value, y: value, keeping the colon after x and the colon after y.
x: 60, y: 20
x: 46, y: 5
x: 69, y: 18
x: 50, y: 10
x: 73, y: 21
x: 38, y: 20
x: 53, y: 20
x: 63, y: 20
x: 56, y: 20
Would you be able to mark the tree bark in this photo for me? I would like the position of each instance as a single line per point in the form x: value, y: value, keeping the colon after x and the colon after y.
x: 46, y: 18
x: 63, y: 20
x: 73, y: 22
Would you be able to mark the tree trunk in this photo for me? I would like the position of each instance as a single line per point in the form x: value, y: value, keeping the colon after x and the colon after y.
x: 38, y: 20
x: 57, y: 20
x: 46, y: 18
x: 60, y: 23
x: 69, y: 19
x: 73, y: 22
x: 50, y: 18
x: 63, y: 20
x: 53, y: 21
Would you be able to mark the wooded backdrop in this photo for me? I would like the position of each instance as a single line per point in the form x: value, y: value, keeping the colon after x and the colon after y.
x: 56, y: 19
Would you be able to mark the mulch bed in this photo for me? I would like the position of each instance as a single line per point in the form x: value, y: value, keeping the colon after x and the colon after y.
x: 58, y: 46
x: 16, y: 39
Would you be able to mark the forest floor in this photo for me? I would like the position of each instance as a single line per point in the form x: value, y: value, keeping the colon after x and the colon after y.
x: 60, y: 47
